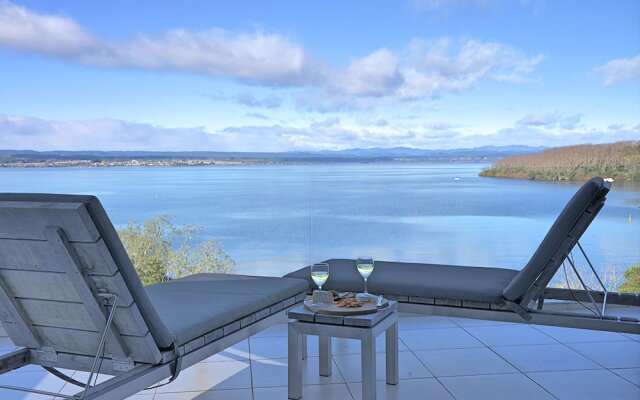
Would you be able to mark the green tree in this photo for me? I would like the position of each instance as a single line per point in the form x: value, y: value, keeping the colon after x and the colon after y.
x: 157, y: 247
x: 632, y: 283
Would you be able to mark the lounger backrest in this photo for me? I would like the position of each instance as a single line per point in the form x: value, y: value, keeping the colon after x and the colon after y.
x: 56, y: 253
x: 559, y: 241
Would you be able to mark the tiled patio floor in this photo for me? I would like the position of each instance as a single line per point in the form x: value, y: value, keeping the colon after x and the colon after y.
x: 440, y: 358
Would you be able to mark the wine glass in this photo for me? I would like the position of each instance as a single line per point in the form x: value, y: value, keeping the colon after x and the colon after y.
x: 320, y: 274
x: 365, y: 268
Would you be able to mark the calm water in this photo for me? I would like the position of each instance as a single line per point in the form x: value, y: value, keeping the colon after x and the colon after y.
x: 274, y: 219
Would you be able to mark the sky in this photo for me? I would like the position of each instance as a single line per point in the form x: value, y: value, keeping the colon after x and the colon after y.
x: 323, y: 75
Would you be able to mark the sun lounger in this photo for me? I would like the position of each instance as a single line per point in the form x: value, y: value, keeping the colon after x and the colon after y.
x: 71, y: 297
x: 497, y: 293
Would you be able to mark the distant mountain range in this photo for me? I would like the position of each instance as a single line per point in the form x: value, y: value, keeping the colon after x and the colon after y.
x: 484, y: 151
x: 356, y: 154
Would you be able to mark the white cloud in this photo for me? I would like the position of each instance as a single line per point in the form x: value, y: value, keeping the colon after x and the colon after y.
x: 424, y: 68
x: 250, y: 100
x: 534, y: 136
x: 56, y: 36
x: 265, y: 58
x: 106, y: 134
x: 374, y: 75
x: 38, y: 134
x: 551, y: 121
x: 327, y: 122
x: 256, y: 115
x: 619, y: 70
x: 447, y: 65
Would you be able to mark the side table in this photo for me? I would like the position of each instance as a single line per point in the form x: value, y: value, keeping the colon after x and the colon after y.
x: 366, y: 328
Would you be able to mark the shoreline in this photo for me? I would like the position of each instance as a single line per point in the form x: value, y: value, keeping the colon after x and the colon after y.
x: 218, y: 163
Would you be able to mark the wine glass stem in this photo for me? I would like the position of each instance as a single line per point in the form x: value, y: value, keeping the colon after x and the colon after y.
x: 365, y: 286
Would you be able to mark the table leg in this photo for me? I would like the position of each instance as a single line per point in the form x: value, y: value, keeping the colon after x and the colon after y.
x: 391, y: 343
x: 324, y: 344
x: 368, y: 359
x: 295, y: 364
x: 304, y: 346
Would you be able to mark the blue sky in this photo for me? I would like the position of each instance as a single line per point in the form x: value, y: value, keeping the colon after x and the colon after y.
x: 291, y: 75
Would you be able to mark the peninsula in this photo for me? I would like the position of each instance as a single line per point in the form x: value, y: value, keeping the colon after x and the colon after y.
x: 619, y: 161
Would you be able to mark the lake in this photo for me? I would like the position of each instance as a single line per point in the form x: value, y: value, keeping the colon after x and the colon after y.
x: 274, y: 219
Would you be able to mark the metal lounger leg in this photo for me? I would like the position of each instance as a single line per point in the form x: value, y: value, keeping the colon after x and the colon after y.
x: 604, y: 289
x: 586, y: 288
x: 103, y: 339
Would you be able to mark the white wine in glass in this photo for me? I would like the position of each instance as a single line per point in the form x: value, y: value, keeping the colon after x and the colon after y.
x: 365, y: 268
x: 320, y: 274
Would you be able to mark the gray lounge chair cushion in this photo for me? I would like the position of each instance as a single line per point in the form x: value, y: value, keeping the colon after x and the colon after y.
x: 106, y: 230
x: 198, y: 304
x: 424, y: 280
x: 590, y: 192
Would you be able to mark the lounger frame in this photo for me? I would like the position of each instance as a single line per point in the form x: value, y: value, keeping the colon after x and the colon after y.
x: 554, y: 316
x: 65, y: 298
x: 563, y: 306
x: 138, y: 376
x: 530, y: 307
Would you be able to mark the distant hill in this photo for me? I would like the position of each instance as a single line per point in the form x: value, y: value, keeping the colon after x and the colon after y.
x: 619, y: 161
x: 399, y: 152
x: 484, y: 154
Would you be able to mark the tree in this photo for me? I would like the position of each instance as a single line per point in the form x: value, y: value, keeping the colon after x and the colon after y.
x: 157, y: 248
x: 632, y: 283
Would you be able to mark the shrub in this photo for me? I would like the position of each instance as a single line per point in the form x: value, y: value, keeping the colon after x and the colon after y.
x: 632, y: 280
x: 158, y: 248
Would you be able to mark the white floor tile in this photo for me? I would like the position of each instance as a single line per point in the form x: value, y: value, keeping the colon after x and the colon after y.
x: 585, y: 385
x: 140, y: 397
x: 612, y: 354
x: 276, y: 347
x: 465, y: 322
x: 632, y: 336
x: 273, y: 372
x: 3, y: 333
x: 457, y: 362
x: 568, y: 372
x: 29, y: 368
x: 410, y: 389
x: 572, y: 335
x: 32, y: 380
x: 352, y: 346
x: 440, y: 338
x: 425, y: 322
x: 231, y: 394
x: 311, y: 392
x: 6, y: 344
x: 409, y: 367
x: 211, y: 376
x: 275, y: 330
x: 81, y: 376
x: 630, y: 374
x: 237, y: 352
x: 509, y: 335
x: 545, y: 357
x: 494, y: 387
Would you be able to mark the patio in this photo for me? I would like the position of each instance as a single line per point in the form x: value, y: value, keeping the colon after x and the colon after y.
x: 440, y: 358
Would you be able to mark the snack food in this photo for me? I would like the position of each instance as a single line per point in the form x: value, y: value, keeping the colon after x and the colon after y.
x: 349, y: 302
